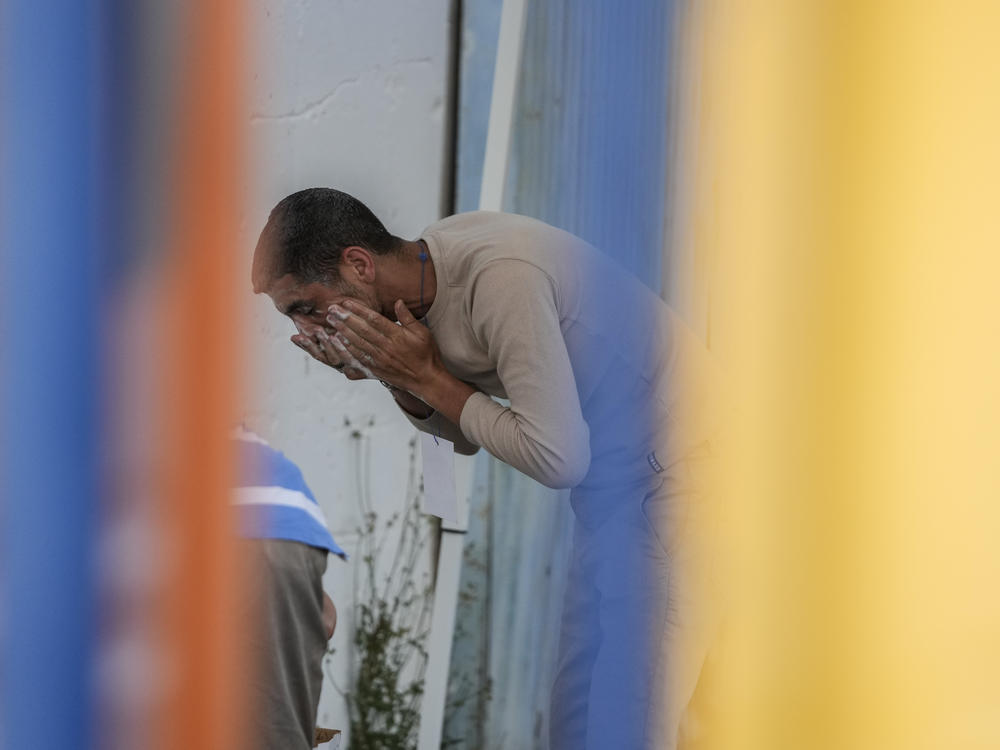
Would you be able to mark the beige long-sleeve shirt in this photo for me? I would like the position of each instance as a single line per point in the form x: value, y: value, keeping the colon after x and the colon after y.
x: 594, y: 365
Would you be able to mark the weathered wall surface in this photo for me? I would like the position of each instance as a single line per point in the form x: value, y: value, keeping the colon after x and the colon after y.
x: 348, y: 94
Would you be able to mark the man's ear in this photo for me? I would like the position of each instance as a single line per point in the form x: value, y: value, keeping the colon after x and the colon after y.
x: 357, y: 264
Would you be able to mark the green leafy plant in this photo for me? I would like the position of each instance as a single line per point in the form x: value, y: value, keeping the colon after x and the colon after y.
x: 392, y: 609
x: 393, y: 604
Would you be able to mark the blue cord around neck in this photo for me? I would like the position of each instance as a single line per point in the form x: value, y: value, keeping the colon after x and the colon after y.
x: 423, y: 265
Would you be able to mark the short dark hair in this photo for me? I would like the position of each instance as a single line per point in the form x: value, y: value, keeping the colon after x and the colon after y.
x: 307, y: 232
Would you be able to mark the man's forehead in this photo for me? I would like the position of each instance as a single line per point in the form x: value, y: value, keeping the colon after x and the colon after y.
x: 284, y: 286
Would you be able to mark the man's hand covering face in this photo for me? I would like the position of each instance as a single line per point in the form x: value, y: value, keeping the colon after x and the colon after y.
x: 327, y: 347
x: 403, y: 355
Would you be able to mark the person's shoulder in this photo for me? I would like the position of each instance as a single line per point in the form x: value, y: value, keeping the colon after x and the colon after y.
x: 496, y: 221
x: 502, y: 243
x: 454, y: 221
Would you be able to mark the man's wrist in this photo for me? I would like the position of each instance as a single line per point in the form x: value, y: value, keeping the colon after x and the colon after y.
x: 447, y: 394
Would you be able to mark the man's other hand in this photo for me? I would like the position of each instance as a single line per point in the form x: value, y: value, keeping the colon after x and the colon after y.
x: 329, y: 616
x: 326, y: 347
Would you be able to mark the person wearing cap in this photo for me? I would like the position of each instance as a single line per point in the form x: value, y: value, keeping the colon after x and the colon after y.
x: 288, y: 617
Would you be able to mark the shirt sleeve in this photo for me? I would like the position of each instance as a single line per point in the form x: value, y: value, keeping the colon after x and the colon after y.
x: 542, y: 433
x: 437, y: 424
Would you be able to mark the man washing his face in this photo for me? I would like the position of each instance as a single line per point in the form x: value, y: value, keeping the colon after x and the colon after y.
x: 610, y: 395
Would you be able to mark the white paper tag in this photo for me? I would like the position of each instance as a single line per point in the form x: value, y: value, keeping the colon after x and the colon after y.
x: 440, y: 497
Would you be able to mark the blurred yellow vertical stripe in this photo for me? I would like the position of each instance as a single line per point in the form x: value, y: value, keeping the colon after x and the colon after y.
x: 842, y: 193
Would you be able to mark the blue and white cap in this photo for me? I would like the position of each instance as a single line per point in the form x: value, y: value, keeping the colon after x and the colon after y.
x: 273, y: 498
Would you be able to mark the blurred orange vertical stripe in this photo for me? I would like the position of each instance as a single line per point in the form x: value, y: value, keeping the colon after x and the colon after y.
x: 201, y: 380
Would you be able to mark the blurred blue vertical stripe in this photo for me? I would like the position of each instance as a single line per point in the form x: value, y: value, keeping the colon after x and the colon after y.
x: 591, y: 131
x: 51, y: 164
x: 589, y: 155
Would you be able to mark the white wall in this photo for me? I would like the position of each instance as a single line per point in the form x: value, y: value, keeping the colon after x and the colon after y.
x: 347, y: 94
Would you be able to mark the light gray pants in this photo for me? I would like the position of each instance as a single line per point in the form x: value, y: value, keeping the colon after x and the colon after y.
x: 287, y: 642
x: 635, y: 624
